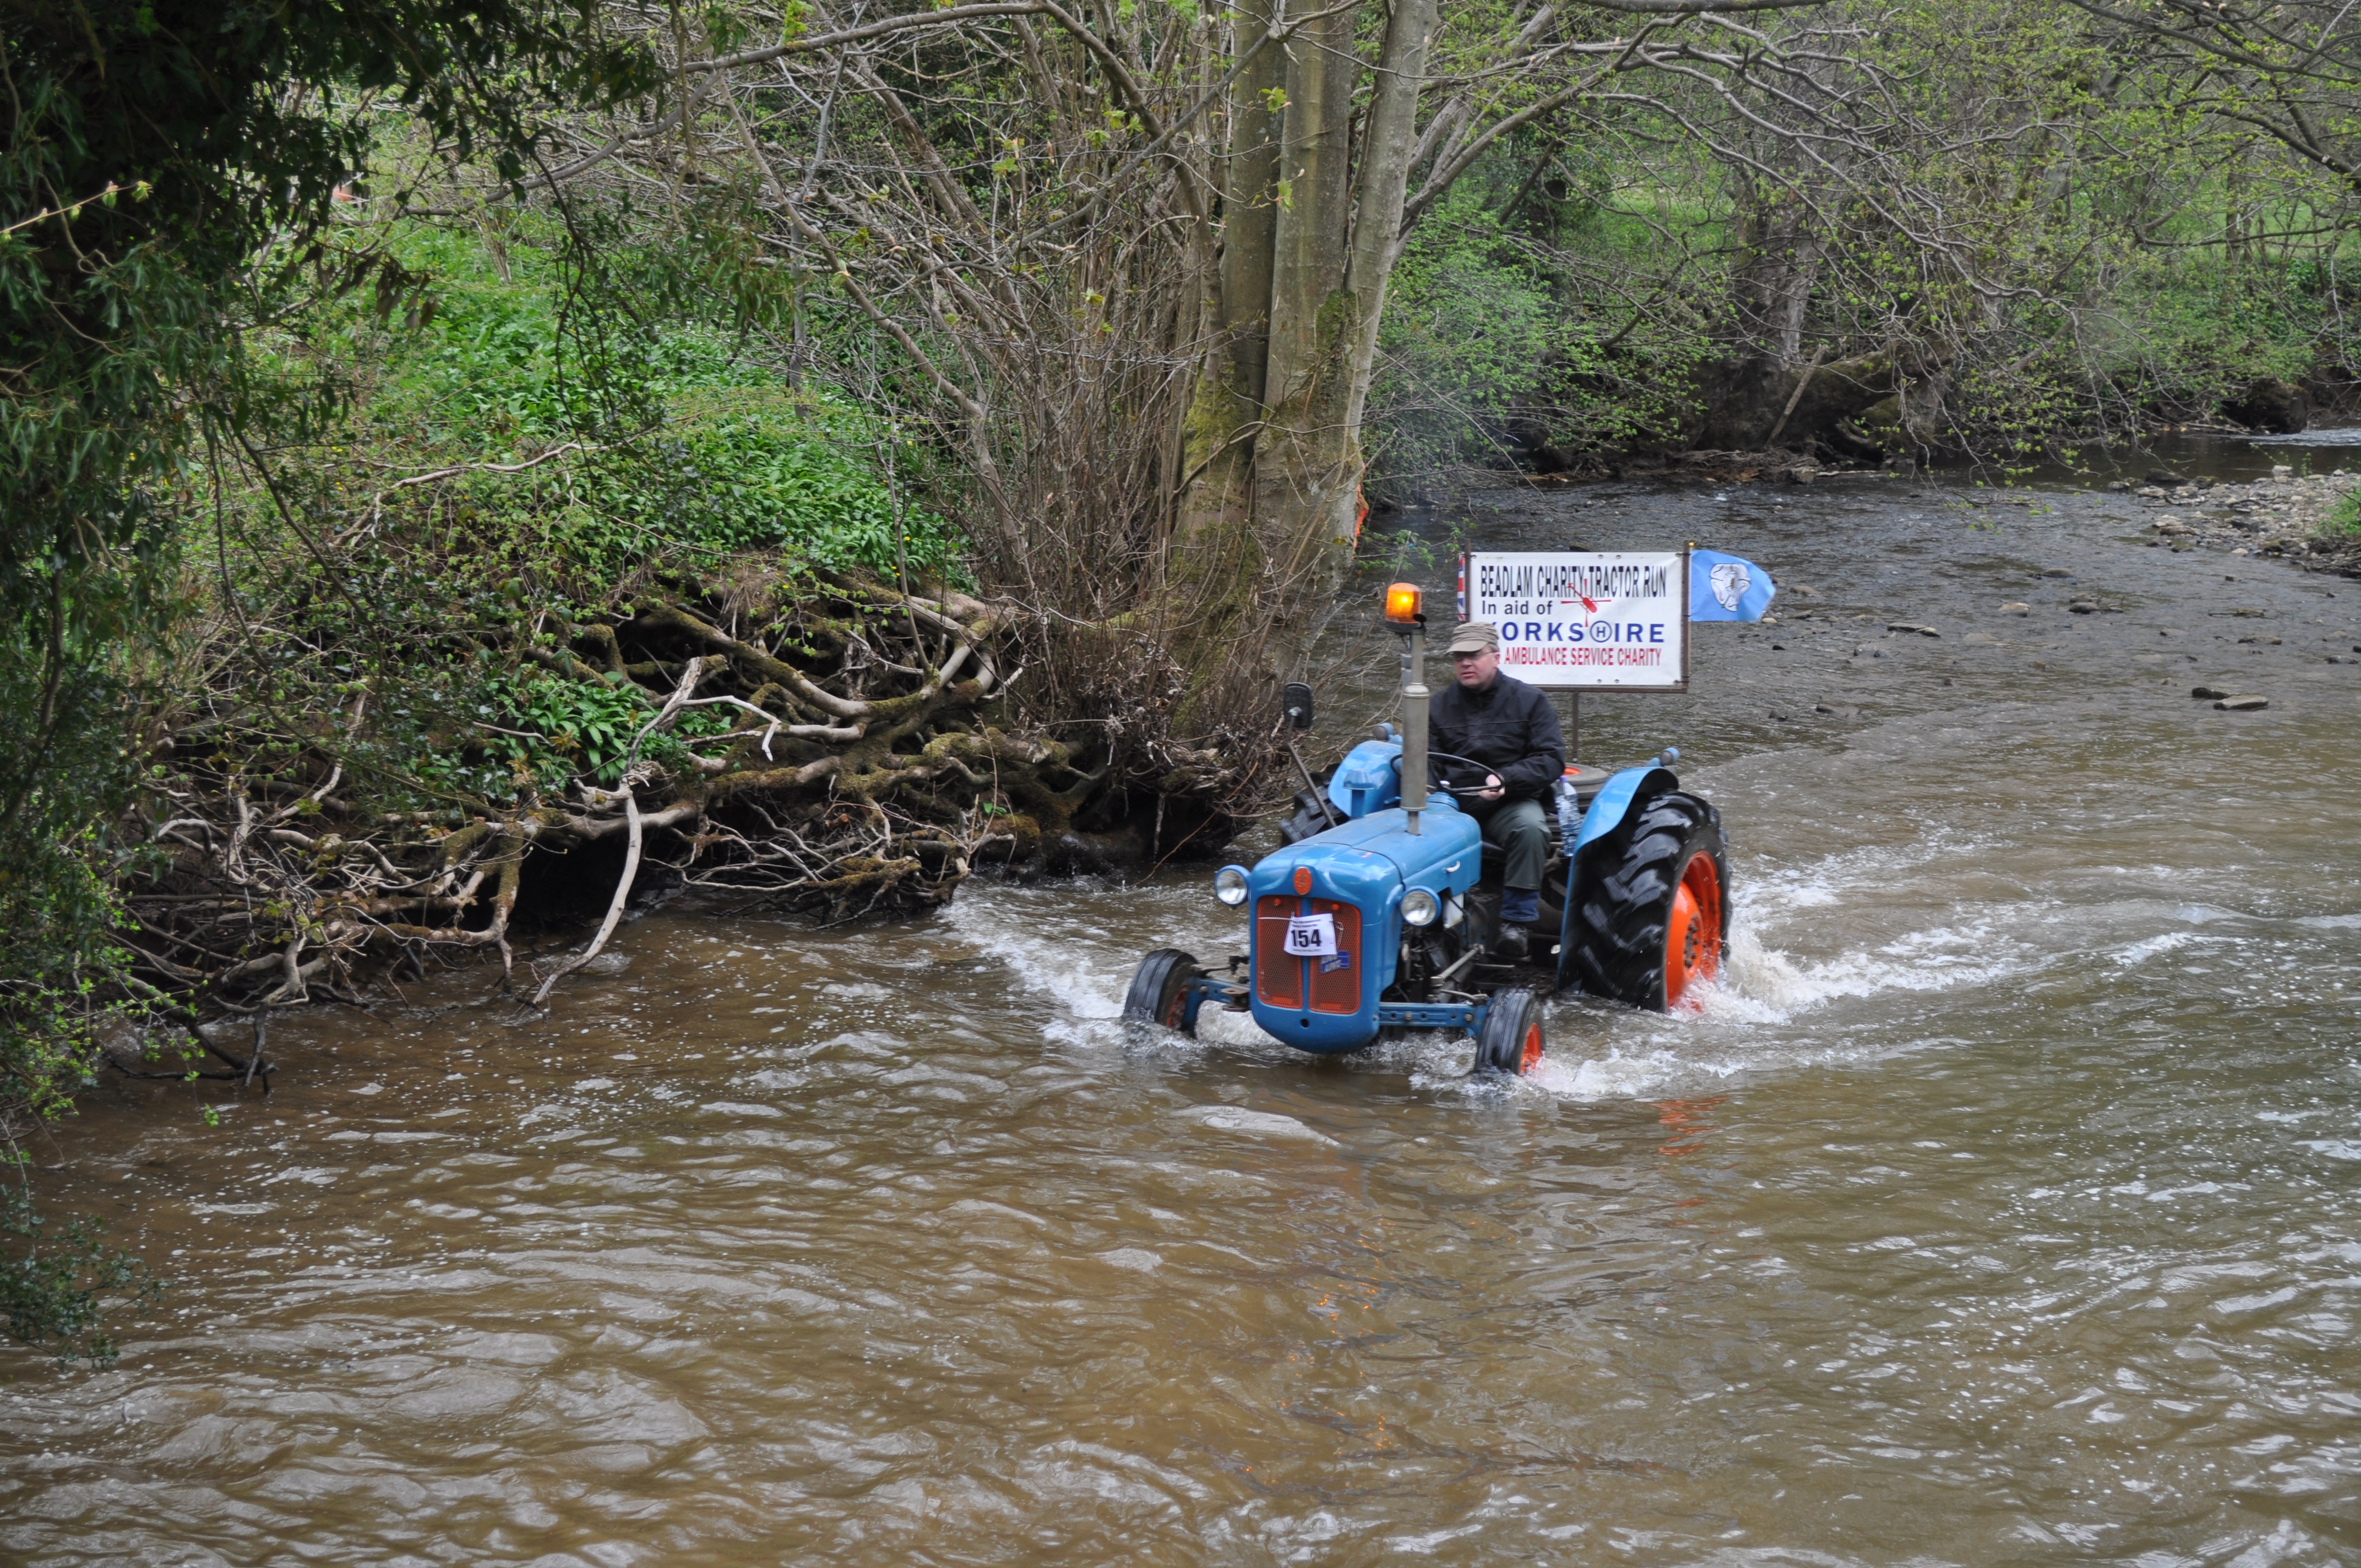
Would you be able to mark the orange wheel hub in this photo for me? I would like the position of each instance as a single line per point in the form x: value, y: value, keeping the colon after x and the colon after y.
x: 1529, y: 1055
x: 1693, y: 935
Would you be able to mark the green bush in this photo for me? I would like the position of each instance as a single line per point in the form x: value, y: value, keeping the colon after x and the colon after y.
x: 696, y: 449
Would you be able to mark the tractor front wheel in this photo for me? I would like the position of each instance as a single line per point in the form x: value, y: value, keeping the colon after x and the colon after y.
x: 1510, y: 1040
x: 1159, y: 991
x: 1655, y: 920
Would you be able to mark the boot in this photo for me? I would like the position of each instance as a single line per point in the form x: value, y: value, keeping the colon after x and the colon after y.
x: 1520, y: 907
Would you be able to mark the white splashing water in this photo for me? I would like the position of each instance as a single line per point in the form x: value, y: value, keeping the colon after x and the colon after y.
x: 1745, y: 1022
x: 1049, y: 949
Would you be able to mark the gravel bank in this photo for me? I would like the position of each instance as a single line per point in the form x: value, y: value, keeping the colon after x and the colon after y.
x: 2281, y: 516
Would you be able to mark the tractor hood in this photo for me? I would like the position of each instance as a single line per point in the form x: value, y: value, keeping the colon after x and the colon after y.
x: 1442, y: 857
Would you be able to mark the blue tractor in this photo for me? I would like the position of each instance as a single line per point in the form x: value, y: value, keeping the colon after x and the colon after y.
x: 1380, y: 916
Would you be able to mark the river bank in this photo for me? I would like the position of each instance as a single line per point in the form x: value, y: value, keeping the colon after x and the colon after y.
x: 2000, y: 1207
x: 2307, y: 518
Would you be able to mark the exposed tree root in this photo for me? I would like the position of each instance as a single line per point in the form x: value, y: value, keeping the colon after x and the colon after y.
x: 860, y: 754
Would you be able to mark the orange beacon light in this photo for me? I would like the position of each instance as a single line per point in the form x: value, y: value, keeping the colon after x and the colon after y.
x: 1402, y: 604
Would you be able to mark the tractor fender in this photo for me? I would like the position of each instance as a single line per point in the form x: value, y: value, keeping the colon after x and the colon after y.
x: 1616, y: 796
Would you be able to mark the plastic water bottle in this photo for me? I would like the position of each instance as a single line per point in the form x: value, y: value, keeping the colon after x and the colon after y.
x: 1569, y: 810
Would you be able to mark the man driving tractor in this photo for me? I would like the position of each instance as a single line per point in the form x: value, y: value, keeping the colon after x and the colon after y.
x: 1509, y: 732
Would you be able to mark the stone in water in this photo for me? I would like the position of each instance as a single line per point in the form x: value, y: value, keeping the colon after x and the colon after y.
x: 1253, y: 1123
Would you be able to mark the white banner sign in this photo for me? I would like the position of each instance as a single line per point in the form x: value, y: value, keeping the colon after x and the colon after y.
x: 1312, y: 935
x: 1584, y: 621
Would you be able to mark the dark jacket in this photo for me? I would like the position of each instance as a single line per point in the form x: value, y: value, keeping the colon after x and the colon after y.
x: 1509, y: 727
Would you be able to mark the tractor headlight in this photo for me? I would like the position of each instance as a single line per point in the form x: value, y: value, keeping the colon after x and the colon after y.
x: 1230, y: 885
x: 1419, y: 908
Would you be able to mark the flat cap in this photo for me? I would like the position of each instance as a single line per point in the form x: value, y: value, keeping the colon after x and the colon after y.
x: 1475, y: 637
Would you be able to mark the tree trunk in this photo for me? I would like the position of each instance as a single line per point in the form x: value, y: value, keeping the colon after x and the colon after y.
x: 1297, y: 455
x: 1218, y: 452
x: 1251, y: 201
x: 1774, y: 282
x: 1386, y: 167
x: 1308, y: 245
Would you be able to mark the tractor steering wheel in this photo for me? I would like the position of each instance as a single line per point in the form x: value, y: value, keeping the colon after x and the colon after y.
x: 1453, y: 789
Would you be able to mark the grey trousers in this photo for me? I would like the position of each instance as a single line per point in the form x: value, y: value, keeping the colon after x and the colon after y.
x: 1520, y: 830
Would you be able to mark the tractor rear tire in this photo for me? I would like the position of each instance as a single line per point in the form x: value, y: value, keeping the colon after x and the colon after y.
x: 1159, y: 991
x: 1654, y: 917
x: 1510, y: 1040
x: 1309, y: 819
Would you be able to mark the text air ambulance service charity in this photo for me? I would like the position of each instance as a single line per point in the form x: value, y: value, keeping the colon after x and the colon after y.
x: 1584, y: 621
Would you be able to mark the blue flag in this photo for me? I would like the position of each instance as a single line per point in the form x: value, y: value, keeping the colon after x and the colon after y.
x: 1724, y: 587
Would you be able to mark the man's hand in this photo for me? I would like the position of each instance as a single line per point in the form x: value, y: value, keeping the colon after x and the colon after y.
x: 1493, y: 787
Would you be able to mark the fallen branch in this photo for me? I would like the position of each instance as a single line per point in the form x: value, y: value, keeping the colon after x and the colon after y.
x: 615, y: 905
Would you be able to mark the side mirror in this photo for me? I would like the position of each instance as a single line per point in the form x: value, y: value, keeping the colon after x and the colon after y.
x: 1295, y: 704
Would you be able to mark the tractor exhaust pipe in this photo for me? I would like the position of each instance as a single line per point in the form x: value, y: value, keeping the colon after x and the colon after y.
x: 1402, y: 615
x: 1415, y: 696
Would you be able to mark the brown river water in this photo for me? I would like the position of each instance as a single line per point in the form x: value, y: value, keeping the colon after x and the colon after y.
x: 2003, y: 1206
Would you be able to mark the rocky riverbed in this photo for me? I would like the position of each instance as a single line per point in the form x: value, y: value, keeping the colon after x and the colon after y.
x: 2288, y: 515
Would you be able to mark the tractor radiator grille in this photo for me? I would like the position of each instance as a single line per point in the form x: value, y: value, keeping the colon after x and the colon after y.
x: 1278, y: 979
x: 1336, y: 982
x: 1281, y: 980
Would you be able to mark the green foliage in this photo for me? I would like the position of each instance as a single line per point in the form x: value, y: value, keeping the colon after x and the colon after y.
x: 168, y: 176
x: 61, y: 958
x: 58, y: 906
x: 54, y: 1280
x: 585, y: 727
x: 597, y: 721
x: 792, y: 475
x: 1508, y: 329
x: 2192, y: 326
x: 695, y: 449
x: 230, y: 131
x: 453, y: 717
